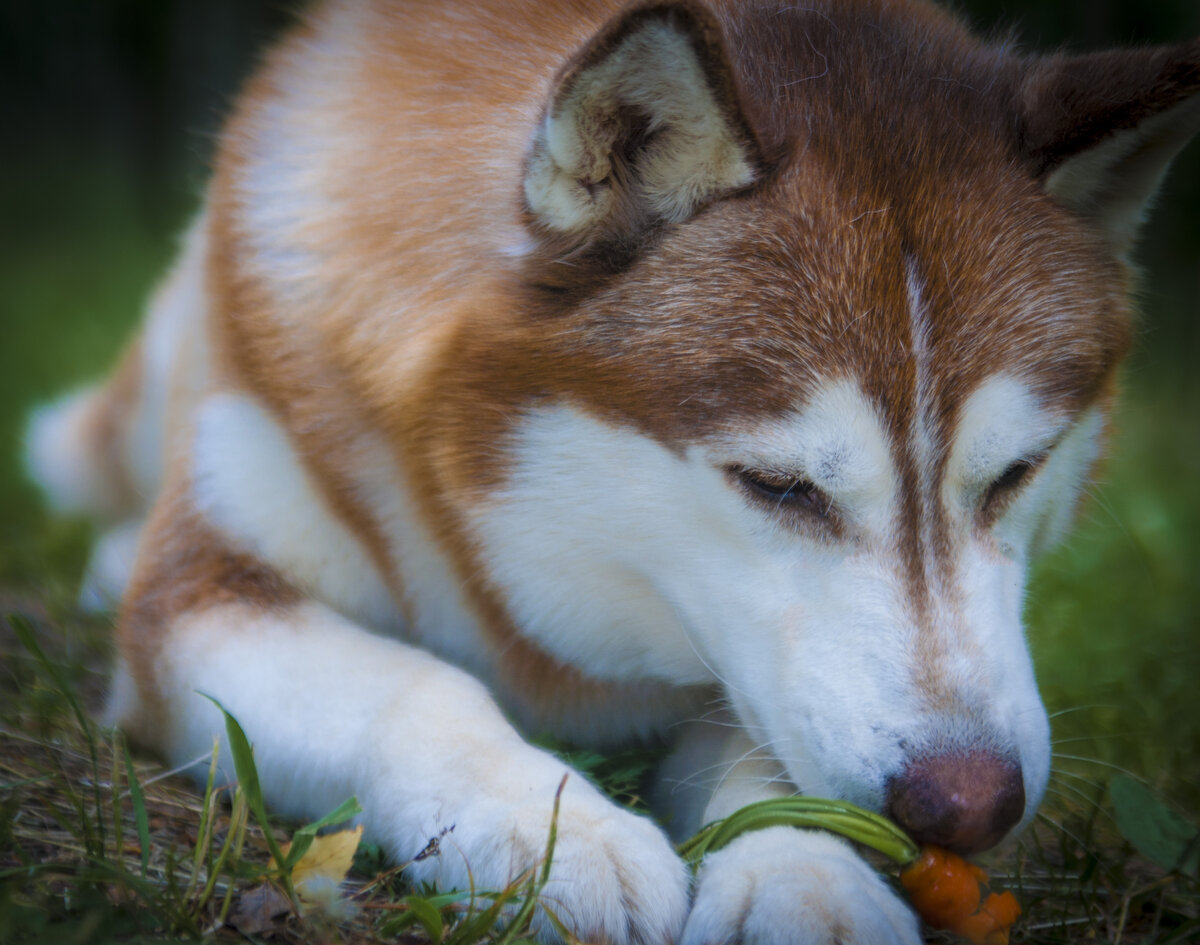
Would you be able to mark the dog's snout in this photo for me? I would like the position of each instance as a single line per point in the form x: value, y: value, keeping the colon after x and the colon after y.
x: 964, y: 802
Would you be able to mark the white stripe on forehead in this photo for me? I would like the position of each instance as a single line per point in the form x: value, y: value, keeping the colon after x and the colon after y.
x: 922, y: 444
x: 837, y: 441
x: 921, y: 440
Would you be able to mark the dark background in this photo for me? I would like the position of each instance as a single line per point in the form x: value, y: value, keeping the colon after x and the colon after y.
x: 110, y: 109
x: 144, y: 84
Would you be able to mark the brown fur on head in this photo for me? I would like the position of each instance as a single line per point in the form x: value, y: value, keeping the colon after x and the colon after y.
x: 817, y: 254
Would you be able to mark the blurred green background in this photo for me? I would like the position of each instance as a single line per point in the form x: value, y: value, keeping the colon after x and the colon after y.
x: 110, y: 108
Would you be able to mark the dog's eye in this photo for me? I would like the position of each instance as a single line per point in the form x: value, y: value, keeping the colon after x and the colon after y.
x: 783, y: 491
x: 1006, y: 486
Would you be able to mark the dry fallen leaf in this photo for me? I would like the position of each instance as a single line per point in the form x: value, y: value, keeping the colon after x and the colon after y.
x: 259, y: 909
x: 318, y: 874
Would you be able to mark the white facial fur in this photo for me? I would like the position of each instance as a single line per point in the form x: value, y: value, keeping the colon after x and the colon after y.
x: 636, y: 561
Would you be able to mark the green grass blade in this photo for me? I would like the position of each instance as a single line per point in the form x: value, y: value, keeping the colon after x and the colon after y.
x: 839, y: 817
x: 343, y: 812
x: 28, y: 639
x: 140, y: 818
x: 536, y: 884
x: 117, y: 816
x: 479, y: 924
x: 237, y: 830
x: 201, y: 855
x: 251, y: 787
x: 427, y: 915
x: 233, y: 842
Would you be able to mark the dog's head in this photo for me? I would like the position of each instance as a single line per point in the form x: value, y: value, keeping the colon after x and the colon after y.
x: 814, y: 349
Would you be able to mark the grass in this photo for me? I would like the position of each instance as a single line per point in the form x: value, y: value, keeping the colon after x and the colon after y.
x: 98, y: 844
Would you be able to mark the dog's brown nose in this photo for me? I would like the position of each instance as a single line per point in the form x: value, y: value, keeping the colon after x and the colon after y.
x: 964, y: 802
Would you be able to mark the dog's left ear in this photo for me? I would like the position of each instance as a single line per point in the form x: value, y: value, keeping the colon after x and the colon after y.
x: 643, y: 126
x: 1102, y: 128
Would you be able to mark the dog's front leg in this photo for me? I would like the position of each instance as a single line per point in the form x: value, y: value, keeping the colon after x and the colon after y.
x: 778, y: 886
x: 335, y: 711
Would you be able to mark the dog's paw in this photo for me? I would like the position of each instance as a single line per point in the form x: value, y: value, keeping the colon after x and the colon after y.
x: 782, y: 886
x: 614, y: 877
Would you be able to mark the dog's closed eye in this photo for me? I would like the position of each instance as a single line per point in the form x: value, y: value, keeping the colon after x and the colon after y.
x: 780, y: 491
x: 1007, y: 485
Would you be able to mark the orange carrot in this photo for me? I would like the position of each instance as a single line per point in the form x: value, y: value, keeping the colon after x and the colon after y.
x: 950, y: 893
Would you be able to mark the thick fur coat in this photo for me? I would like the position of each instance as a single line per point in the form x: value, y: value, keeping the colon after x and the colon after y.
x: 704, y: 372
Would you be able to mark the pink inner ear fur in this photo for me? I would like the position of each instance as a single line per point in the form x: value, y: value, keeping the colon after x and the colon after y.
x: 644, y: 125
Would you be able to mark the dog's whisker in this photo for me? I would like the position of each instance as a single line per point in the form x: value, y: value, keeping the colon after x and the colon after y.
x: 1065, y: 831
x: 695, y: 778
x: 1072, y: 794
x: 728, y: 764
x: 708, y: 720
x: 1079, y: 708
x: 687, y: 635
x: 1096, y: 761
x: 1099, y: 736
x: 757, y: 749
x: 1081, y: 778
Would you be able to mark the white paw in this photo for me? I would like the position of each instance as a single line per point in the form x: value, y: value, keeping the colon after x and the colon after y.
x: 783, y: 886
x: 614, y: 877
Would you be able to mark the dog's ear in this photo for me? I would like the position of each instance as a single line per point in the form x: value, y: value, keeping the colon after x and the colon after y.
x: 643, y: 126
x: 1102, y: 129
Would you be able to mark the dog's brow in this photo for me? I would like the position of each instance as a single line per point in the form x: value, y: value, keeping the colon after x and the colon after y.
x: 1001, y: 422
x: 837, y: 441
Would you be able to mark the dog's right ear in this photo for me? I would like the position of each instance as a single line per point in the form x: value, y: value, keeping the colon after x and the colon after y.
x: 1102, y: 128
x: 643, y: 126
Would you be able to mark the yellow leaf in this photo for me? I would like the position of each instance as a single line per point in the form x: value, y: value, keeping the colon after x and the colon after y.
x: 324, y: 865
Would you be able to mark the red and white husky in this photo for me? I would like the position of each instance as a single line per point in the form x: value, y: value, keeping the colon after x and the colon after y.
x: 707, y: 371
